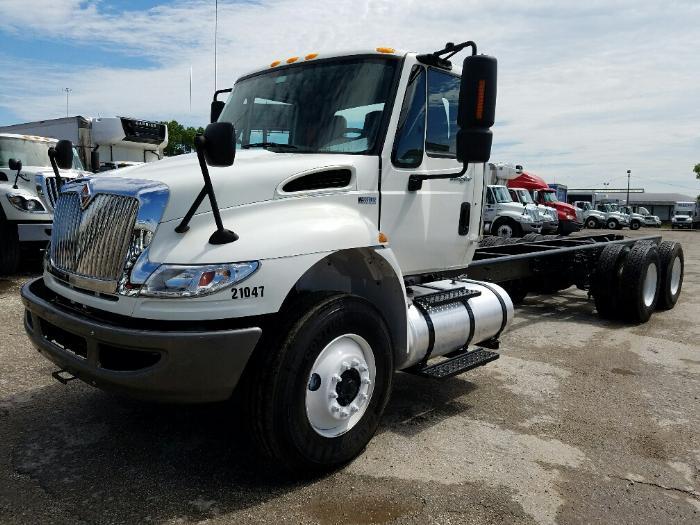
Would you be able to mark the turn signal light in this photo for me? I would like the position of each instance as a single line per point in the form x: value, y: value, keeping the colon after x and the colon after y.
x: 382, y: 237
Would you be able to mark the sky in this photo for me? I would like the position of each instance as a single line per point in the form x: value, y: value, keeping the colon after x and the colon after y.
x: 587, y: 90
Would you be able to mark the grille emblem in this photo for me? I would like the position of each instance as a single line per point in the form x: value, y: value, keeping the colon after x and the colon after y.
x: 85, y: 195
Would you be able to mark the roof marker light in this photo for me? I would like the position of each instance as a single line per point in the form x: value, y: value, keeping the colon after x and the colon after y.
x: 388, y: 50
x: 276, y: 63
x: 291, y: 60
x: 310, y: 56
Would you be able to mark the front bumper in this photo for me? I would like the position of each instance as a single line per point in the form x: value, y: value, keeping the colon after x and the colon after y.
x: 531, y: 227
x: 187, y: 366
x: 550, y: 227
x: 688, y: 225
x: 34, y: 231
x: 566, y: 227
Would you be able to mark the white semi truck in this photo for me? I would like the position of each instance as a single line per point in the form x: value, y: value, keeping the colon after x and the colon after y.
x: 27, y: 195
x: 333, y: 242
x: 103, y: 142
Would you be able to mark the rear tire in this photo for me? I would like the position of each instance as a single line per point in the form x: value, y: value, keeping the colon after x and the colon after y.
x: 671, y: 268
x: 491, y: 240
x: 606, y: 279
x: 532, y: 237
x: 288, y: 422
x: 639, y: 283
x: 9, y: 247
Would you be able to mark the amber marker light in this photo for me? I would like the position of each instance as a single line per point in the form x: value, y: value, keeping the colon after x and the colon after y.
x: 481, y: 90
x: 382, y: 237
x: 291, y: 60
x: 276, y: 63
x: 388, y: 50
x: 310, y: 56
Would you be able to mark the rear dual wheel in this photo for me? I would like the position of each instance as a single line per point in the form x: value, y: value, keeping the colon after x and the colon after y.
x: 672, y: 265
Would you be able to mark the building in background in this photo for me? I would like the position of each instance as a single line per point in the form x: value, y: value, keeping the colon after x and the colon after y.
x: 659, y: 204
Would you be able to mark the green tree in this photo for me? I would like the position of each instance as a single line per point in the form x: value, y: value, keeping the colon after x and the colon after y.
x: 696, y: 169
x: 180, y: 138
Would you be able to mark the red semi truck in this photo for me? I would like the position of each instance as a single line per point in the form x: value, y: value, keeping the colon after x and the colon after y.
x: 569, y: 219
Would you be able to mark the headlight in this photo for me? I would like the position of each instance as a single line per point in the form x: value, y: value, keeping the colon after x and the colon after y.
x: 25, y: 204
x: 570, y: 217
x: 174, y: 280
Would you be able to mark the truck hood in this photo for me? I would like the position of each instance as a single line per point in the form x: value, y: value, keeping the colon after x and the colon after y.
x: 31, y: 172
x: 564, y: 208
x: 255, y: 176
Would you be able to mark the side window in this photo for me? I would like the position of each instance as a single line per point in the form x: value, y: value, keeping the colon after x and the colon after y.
x: 410, y: 135
x: 489, y: 197
x: 443, y: 99
x: 514, y: 195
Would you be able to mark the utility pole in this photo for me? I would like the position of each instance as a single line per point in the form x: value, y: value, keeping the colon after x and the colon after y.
x: 68, y: 92
x: 216, y: 30
x: 629, y: 174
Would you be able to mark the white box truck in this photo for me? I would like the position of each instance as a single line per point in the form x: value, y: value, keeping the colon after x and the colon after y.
x: 103, y: 142
x: 333, y: 242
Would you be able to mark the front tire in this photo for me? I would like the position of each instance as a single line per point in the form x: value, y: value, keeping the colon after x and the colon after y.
x: 9, y: 247
x: 592, y: 224
x: 612, y: 224
x: 507, y: 228
x: 634, y: 225
x: 314, y: 400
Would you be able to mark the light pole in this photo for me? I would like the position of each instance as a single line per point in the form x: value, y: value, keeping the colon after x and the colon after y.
x: 68, y: 92
x: 629, y: 174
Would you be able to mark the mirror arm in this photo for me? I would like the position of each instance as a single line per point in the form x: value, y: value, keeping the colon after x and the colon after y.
x: 17, y: 177
x: 52, y: 158
x: 415, y: 181
x: 221, y: 235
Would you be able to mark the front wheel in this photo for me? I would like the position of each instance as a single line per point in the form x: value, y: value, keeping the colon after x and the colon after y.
x: 634, y: 225
x: 315, y: 399
x: 591, y: 223
x: 612, y: 224
x: 508, y: 229
x: 9, y: 247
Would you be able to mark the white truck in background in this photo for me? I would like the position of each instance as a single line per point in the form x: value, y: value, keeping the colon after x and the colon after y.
x: 333, y: 242
x: 686, y: 215
x: 103, y: 142
x: 592, y: 218
x: 27, y: 194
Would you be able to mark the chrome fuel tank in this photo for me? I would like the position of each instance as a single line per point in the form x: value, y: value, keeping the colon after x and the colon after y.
x: 451, y: 314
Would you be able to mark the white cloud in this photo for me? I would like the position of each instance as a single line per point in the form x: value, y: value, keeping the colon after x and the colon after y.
x: 586, y: 90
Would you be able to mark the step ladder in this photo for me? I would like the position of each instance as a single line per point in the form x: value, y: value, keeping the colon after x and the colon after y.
x: 460, y: 362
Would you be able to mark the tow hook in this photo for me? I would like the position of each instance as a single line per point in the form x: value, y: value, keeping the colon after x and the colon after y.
x: 63, y: 376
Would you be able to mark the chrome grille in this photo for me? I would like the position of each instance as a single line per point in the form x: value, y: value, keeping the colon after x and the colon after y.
x: 51, y: 190
x: 93, y: 242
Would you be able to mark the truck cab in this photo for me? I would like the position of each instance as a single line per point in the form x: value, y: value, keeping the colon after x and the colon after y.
x: 636, y: 220
x: 647, y: 217
x: 569, y: 221
x: 548, y: 216
x: 686, y: 215
x: 592, y: 218
x: 614, y: 218
x: 28, y: 192
x: 506, y: 217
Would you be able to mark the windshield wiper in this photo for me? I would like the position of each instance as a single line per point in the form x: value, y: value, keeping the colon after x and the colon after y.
x: 268, y: 145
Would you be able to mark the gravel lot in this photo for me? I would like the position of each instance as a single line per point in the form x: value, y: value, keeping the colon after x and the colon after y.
x: 580, y: 421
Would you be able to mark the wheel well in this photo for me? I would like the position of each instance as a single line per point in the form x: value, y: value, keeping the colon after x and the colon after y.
x: 364, y: 273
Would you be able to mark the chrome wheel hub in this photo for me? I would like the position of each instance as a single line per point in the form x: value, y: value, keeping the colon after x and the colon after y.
x: 340, y: 385
x: 650, y: 281
x: 505, y: 231
x: 676, y: 276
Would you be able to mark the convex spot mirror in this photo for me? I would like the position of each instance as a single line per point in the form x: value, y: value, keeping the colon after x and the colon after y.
x: 217, y: 106
x: 14, y: 164
x: 219, y: 142
x: 477, y: 108
x: 63, y: 154
x: 95, y: 160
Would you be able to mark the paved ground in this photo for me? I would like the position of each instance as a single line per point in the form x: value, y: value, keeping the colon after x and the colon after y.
x: 580, y: 421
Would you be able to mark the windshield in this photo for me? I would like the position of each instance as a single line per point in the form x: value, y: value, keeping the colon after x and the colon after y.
x: 585, y: 205
x: 642, y: 210
x: 549, y: 196
x: 525, y: 197
x: 684, y: 213
x: 334, y: 106
x: 30, y: 152
x: 501, y: 194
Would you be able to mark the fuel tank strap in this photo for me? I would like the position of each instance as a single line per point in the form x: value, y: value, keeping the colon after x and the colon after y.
x: 504, y: 310
x: 472, y: 323
x: 431, y: 330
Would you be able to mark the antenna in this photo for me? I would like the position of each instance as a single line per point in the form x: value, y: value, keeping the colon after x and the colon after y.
x: 68, y: 92
x: 216, y: 29
x: 190, y: 89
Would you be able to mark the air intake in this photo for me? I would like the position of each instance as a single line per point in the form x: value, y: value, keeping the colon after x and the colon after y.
x: 319, y: 180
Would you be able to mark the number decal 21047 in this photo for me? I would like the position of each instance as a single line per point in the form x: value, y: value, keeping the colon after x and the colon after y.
x: 246, y: 292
